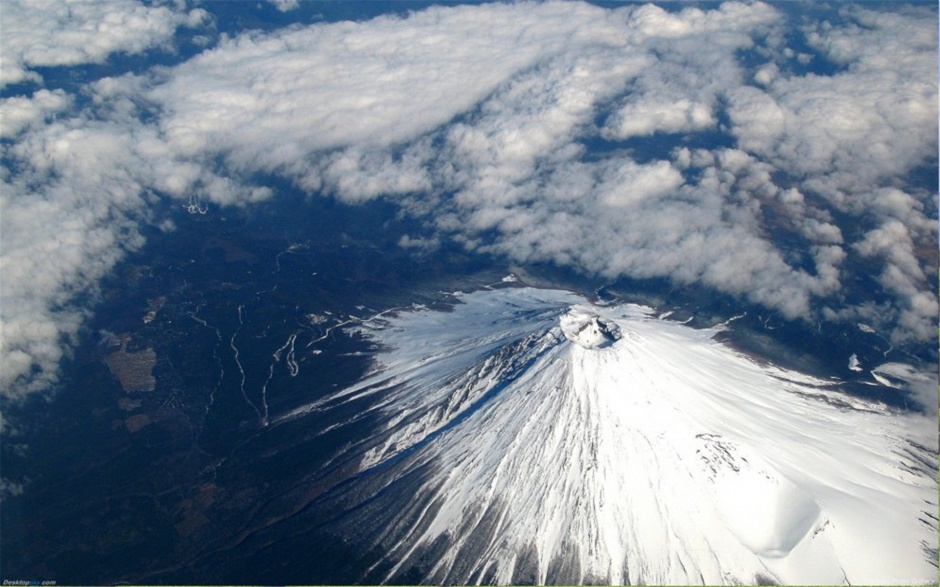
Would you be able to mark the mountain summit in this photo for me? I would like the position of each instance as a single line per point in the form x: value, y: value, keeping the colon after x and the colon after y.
x: 589, y: 330
x: 530, y: 437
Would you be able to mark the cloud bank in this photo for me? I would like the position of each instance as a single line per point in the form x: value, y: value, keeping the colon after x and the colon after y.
x: 55, y: 33
x: 623, y: 142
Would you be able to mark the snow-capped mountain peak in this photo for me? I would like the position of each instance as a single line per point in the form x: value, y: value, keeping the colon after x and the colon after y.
x: 530, y: 437
x: 587, y: 329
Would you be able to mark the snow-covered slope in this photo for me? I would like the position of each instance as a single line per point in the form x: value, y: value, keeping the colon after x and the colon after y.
x: 528, y: 436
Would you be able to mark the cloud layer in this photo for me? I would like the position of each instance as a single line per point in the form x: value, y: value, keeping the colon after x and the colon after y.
x: 535, y: 131
x: 55, y: 33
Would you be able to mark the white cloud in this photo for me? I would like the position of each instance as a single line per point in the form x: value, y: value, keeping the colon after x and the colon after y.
x: 18, y: 113
x: 285, y: 5
x: 358, y: 175
x: 849, y: 137
x: 70, y: 212
x: 265, y: 99
x: 902, y: 274
x: 63, y: 228
x: 47, y: 33
x: 874, y: 120
x: 646, y: 118
x: 477, y: 120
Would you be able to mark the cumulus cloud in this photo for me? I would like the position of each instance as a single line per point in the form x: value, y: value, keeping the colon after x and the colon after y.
x: 22, y: 112
x: 372, y: 84
x: 681, y: 88
x: 285, y: 5
x: 873, y: 120
x: 511, y: 129
x: 73, y: 194
x: 49, y: 33
x: 847, y: 137
x: 63, y: 227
